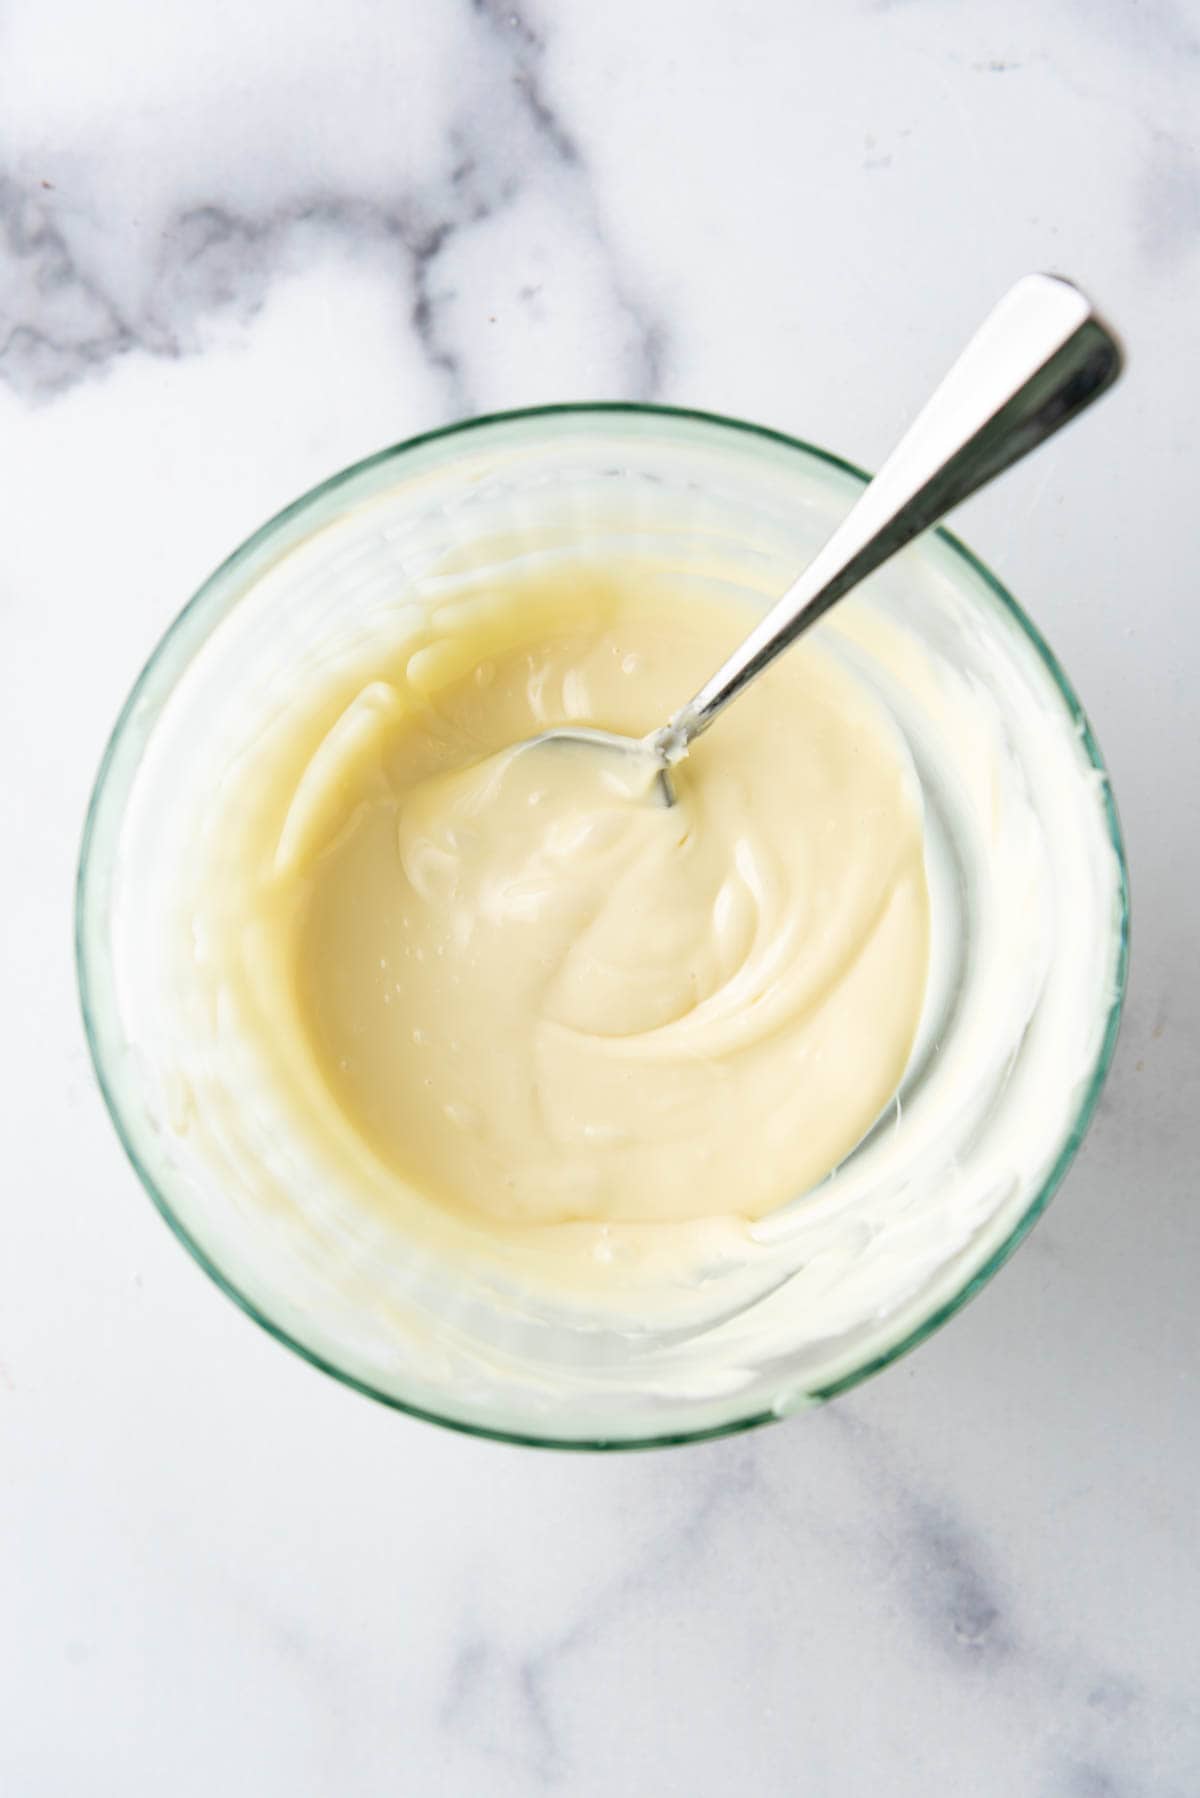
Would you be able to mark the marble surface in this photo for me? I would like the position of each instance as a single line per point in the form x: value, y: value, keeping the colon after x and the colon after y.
x: 241, y: 246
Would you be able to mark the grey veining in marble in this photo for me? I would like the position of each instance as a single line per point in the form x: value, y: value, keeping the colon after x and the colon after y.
x: 64, y: 321
x: 241, y: 247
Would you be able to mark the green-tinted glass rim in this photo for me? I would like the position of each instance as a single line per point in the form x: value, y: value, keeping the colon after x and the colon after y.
x: 943, y: 1312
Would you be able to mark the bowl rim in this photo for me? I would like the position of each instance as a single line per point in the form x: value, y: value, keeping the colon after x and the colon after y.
x: 1091, y: 1087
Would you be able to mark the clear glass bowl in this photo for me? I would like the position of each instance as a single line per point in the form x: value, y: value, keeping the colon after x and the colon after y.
x: 1029, y: 892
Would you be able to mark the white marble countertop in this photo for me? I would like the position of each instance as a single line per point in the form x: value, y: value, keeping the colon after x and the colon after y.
x: 243, y: 245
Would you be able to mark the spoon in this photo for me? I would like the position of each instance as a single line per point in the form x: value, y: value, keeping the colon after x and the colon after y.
x: 1034, y: 364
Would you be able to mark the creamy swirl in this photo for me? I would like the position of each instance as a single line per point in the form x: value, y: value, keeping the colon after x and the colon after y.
x: 542, y: 998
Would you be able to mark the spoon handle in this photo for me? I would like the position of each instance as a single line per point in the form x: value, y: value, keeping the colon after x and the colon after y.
x: 1033, y: 365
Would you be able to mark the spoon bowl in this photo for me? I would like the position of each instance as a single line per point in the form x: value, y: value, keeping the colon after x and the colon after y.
x: 645, y: 762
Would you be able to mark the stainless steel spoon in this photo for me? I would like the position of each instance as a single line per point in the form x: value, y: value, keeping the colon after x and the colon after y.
x: 1033, y: 365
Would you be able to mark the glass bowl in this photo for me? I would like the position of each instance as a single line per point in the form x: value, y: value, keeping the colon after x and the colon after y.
x: 1028, y: 889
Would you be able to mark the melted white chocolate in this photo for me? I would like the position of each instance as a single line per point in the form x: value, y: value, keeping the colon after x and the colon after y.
x: 536, y: 996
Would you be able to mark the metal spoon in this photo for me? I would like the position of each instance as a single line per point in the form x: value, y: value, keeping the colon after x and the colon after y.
x: 1033, y: 365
